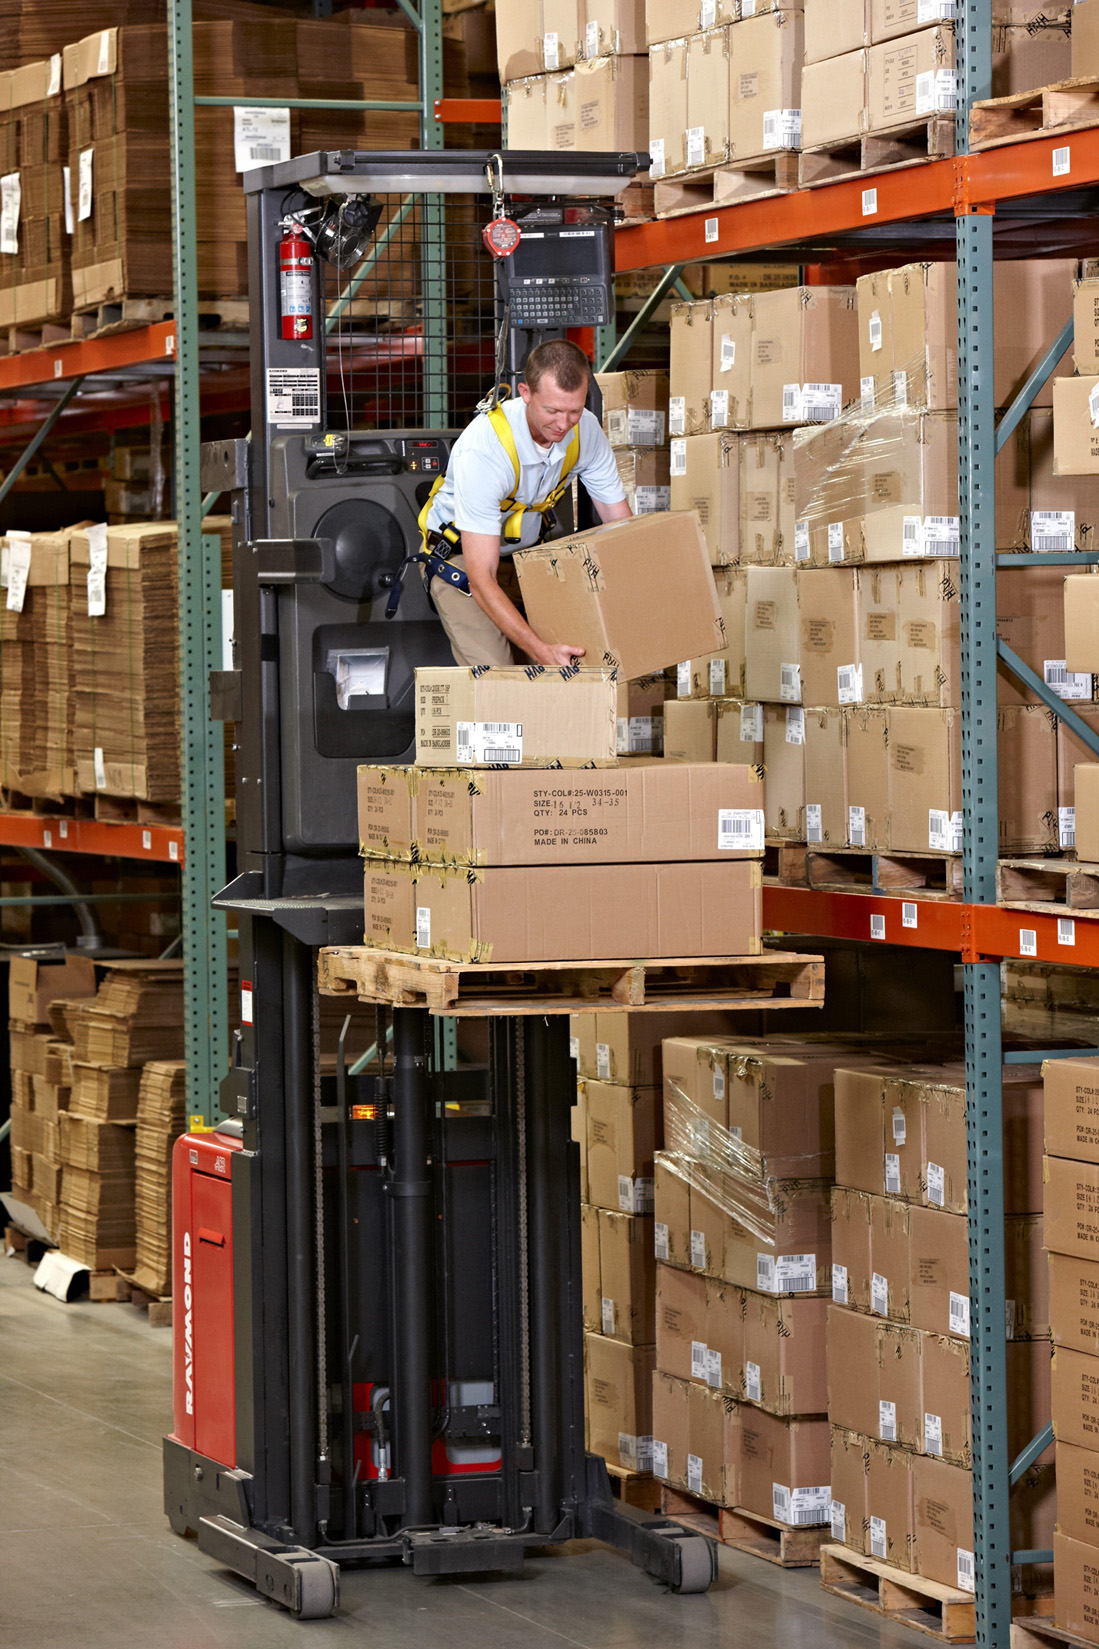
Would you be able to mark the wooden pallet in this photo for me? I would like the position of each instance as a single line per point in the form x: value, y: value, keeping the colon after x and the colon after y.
x: 776, y: 1542
x: 1068, y: 106
x: 773, y: 174
x: 130, y: 810
x: 106, y: 1287
x: 1037, y: 1632
x: 1055, y: 886
x: 19, y: 339
x: 157, y: 1308
x: 939, y: 1611
x: 930, y: 138
x: 639, y: 1489
x: 776, y: 979
x: 102, y: 320
x: 692, y: 1511
x: 926, y: 874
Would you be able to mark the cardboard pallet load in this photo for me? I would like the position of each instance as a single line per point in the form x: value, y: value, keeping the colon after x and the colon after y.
x: 160, y: 1120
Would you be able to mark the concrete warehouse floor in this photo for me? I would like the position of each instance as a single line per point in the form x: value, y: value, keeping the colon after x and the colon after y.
x: 87, y: 1560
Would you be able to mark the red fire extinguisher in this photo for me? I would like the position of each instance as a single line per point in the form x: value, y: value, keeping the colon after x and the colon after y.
x: 296, y: 283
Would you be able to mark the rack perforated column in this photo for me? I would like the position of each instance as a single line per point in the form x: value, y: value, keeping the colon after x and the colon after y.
x: 436, y: 378
x: 980, y: 801
x: 202, y: 762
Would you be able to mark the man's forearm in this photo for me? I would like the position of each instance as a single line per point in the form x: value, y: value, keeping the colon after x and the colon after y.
x: 503, y: 612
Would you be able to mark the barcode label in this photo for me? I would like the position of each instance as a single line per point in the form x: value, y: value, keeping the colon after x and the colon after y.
x: 603, y: 1061
x: 707, y: 17
x: 791, y: 403
x: 765, y: 1273
x: 835, y: 540
x: 892, y: 1174
x: 966, y: 1578
x: 651, y: 500
x: 694, y: 1474
x: 912, y: 535
x: 795, y: 726
x: 820, y: 403
x: 753, y: 1384
x: 607, y: 1316
x: 10, y: 200
x: 838, y: 1519
x: 936, y: 1184
x: 782, y: 129
x: 717, y: 678
x: 698, y: 1360
x: 875, y: 332
x: 849, y: 683
x: 696, y: 145
x: 801, y: 541
x: 866, y: 393
x: 656, y: 159
x: 713, y: 1368
x: 660, y: 1458
x: 795, y: 1274
x: 677, y: 417
x: 635, y: 1453
x: 1009, y: 1319
x: 1052, y: 531
x: 814, y: 826
x: 1066, y: 827
x: 751, y: 724
x: 719, y: 1082
x: 644, y: 427
x: 18, y: 567
x: 1067, y: 684
x: 660, y: 1240
x: 879, y: 1295
x: 934, y: 11
x: 698, y: 1250
x: 489, y: 743
x: 877, y: 924
x: 1028, y: 941
x: 551, y: 51
x: 1066, y: 930
x: 900, y: 389
x: 728, y: 353
x: 100, y: 767
x: 839, y: 1285
x: 780, y: 1503
x: 683, y: 680
x: 423, y: 927
x: 261, y: 136
x: 740, y: 829
x: 645, y: 735
x: 574, y: 1048
x: 958, y: 1314
x: 900, y: 1126
x: 856, y: 826
x: 678, y: 461
x: 879, y: 1543
x: 944, y: 831
x: 887, y: 1422
x: 942, y: 535
x: 936, y: 91
x: 591, y: 39
x: 789, y: 683
x: 932, y: 1434
x: 719, y: 408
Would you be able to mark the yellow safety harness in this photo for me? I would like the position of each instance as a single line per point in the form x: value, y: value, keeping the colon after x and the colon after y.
x: 439, y: 544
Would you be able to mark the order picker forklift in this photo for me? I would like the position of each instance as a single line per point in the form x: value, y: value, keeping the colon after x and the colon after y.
x: 379, y: 1353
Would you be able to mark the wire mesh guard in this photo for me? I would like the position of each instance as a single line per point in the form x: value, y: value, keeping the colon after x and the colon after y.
x: 411, y: 330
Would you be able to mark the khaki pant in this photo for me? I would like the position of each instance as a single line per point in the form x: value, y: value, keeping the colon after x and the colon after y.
x: 473, y: 637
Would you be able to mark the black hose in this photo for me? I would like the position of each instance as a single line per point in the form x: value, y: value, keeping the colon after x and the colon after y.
x: 90, y: 936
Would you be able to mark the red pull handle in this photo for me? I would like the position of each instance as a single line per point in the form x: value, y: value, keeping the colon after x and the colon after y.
x: 215, y: 1237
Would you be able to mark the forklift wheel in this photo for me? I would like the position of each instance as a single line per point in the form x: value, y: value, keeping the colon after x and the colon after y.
x: 697, y: 1565
x: 320, y: 1592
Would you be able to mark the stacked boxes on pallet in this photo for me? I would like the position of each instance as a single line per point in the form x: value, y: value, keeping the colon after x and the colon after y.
x: 34, y: 278
x: 36, y: 663
x: 899, y: 1325
x: 161, y: 1100
x: 574, y: 74
x: 41, y: 1077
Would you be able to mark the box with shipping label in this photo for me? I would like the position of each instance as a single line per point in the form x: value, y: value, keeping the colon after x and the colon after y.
x: 635, y: 408
x: 681, y: 1322
x: 624, y: 1131
x: 784, y: 766
x: 1028, y: 779
x: 619, y: 1383
x: 909, y: 78
x: 890, y: 1516
x: 672, y: 1210
x: 730, y: 393
x: 772, y: 636
x: 943, y: 1496
x: 874, y: 1377
x: 1078, y: 1496
x: 671, y: 1429
x: 766, y: 53
x: 668, y: 107
x: 386, y: 803
x: 762, y: 541
x: 611, y: 102
x: 784, y: 1367
x: 834, y: 27
x: 645, y: 474
x: 828, y: 650
x: 595, y: 590
x: 848, y: 1482
x: 704, y: 475
x: 627, y: 1047
x: 784, y: 1468
x: 627, y: 1270
x: 690, y: 370
x: 1075, y: 1398
x: 641, y: 716
x: 708, y: 70
x: 487, y: 717
x: 851, y: 1248
x: 827, y: 800
x: 1072, y: 1109
x: 867, y: 777
x: 804, y: 355
x: 925, y: 780
x: 739, y: 732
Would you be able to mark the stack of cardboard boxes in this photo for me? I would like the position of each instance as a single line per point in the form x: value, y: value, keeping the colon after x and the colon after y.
x: 899, y: 1325
x: 1072, y: 1241
x: 574, y: 74
x: 161, y: 1100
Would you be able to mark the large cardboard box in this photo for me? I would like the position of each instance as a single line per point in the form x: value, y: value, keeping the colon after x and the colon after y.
x: 829, y: 656
x: 619, y: 1401
x: 1028, y: 779
x: 629, y: 1047
x: 635, y: 407
x: 804, y: 352
x: 772, y: 636
x: 1072, y: 1207
x: 709, y: 56
x: 925, y: 780
x: 827, y: 801
x: 32, y: 985
x: 638, y: 814
x: 1078, y: 1495
x: 690, y: 370
x: 848, y: 1509
x: 612, y: 27
x: 595, y: 590
x: 1075, y: 1398
x: 851, y: 1248
x: 909, y: 78
x: 529, y: 717
x: 1072, y: 1109
x: 624, y: 1130
x: 1075, y: 435
x: 611, y: 101
x: 627, y: 1270
x: 645, y: 474
x: 867, y: 776
x: 833, y: 98
x: 705, y: 478
x: 833, y: 27
x: 732, y: 355
x: 890, y: 1515
x: 386, y: 805
x: 784, y: 1366
x: 875, y: 1378
x: 781, y: 1103
x: 668, y: 107
x: 1074, y: 1302
x: 1082, y: 622
x: 784, y: 765
x: 681, y: 1322
x: 764, y: 542
x: 784, y: 1468
x: 690, y: 730
x: 1076, y: 1575
x: 943, y: 1497
x: 766, y: 51
x: 1086, y: 811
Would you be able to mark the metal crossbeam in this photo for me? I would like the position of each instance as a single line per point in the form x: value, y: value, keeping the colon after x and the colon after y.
x: 1061, y: 707
x: 39, y: 436
x: 1034, y: 1450
x: 641, y: 319
x: 1033, y: 387
x: 1038, y: 1056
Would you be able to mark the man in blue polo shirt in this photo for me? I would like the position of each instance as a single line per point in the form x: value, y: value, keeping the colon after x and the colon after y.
x: 503, y: 468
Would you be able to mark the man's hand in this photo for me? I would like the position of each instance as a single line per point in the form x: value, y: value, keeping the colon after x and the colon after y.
x: 557, y: 656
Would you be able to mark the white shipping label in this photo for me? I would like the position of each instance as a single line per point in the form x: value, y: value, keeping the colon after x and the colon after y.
x: 719, y: 1082
x: 644, y: 427
x: 617, y: 427
x: 660, y: 1240
x: 856, y: 826
x: 719, y: 408
x: 789, y: 683
x: 489, y: 743
x: 698, y: 1360
x: 11, y: 195
x: 791, y: 403
x: 651, y: 500
x: 603, y: 1061
x: 835, y: 540
x: 84, y: 185
x: 717, y: 678
x: 67, y: 197
x: 100, y: 767
x: 780, y: 1503
x: 866, y: 394
x: 551, y: 51
x: 591, y: 41
x: 1066, y: 827
x: 707, y: 16
x: 683, y: 680
x: 103, y: 62
x: 660, y: 1458
x: 795, y: 1274
x: 260, y: 137
x: 765, y: 1273
x: 19, y: 566
x: 423, y: 927
x: 751, y: 724
x: 696, y: 145
x: 628, y: 1449
x: 574, y: 1048
x: 802, y: 551
x: 876, y: 331
x: 656, y: 157
x: 694, y: 1474
x: 879, y: 1294
x: 97, y: 569
x: 932, y: 1434
x: 936, y: 91
x: 728, y: 353
x: 944, y: 831
x: 941, y: 535
x: 753, y: 1384
x: 879, y: 1543
x: 54, y: 85
x: 811, y: 403
x: 900, y: 389
x: 713, y: 1368
x: 892, y: 1174
x: 934, y: 11
x: 838, y: 1519
x: 293, y: 396
x: 1067, y: 684
x: 646, y: 735
x: 747, y: 8
x: 967, y: 1580
x: 698, y: 1250
x: 958, y: 1316
x: 640, y: 1195
x: 622, y: 736
x: 782, y: 129
x: 795, y: 726
x: 678, y: 457
x: 900, y: 1126
x: 849, y: 683
x: 608, y: 1316
x: 839, y: 1285
x: 912, y: 535
x: 1052, y: 531
x: 887, y: 1421
x: 1093, y: 407
x: 740, y: 830
x: 936, y: 1184
x: 814, y: 824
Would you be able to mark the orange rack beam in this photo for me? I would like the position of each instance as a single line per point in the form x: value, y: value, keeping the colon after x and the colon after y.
x: 73, y: 360
x: 111, y: 838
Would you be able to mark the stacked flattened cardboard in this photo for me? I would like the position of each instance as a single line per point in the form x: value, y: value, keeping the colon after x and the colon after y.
x: 41, y: 1077
x: 36, y: 698
x: 135, y: 1017
x: 899, y: 1325
x: 574, y: 73
x: 160, y: 1120
x: 125, y: 651
x: 17, y: 683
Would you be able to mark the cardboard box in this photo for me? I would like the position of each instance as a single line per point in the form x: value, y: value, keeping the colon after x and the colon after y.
x: 890, y: 1518
x: 804, y: 351
x: 1076, y: 1578
x: 1075, y: 1397
x: 1082, y: 621
x: 713, y: 1463
x: 784, y: 1367
x: 594, y: 589
x: 1086, y: 811
x: 945, y: 1428
x: 943, y: 1497
x: 635, y: 407
x: 664, y: 19
x: 624, y: 1131
x: 32, y: 985
x: 762, y: 539
x: 765, y: 85
x: 1028, y: 779
x: 909, y: 78
x: 671, y: 1429
x: 1063, y: 511
x: 386, y: 811
x: 591, y: 1281
x: 641, y: 716
x: 925, y: 780
x: 529, y: 717
x: 875, y: 311
x: 645, y: 474
x: 690, y: 371
x: 709, y: 56
x: 1085, y: 305
x: 1076, y: 439
x: 831, y: 665
x: 629, y: 1047
x: 799, y: 1261
x: 833, y: 27
x: 1078, y: 1497
x: 389, y: 904
x: 690, y: 730
x: 833, y: 98
x: 848, y: 1509
x: 1072, y: 1207
x: 619, y: 1385
x: 772, y: 636
x: 611, y: 96
x: 827, y: 803
x: 784, y: 766
x: 640, y: 814
x: 680, y: 1322
x: 875, y: 1378
x: 1085, y: 56
x: 612, y: 27
x: 730, y: 395
x: 672, y: 1208
x: 668, y: 109
x: 851, y: 1248
x: 784, y: 1468
x: 627, y: 1270
x: 739, y: 732
x: 705, y: 479
x: 781, y: 1104
x: 1072, y: 1109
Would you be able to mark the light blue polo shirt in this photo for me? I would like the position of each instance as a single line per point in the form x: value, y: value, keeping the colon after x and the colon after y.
x: 480, y: 474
